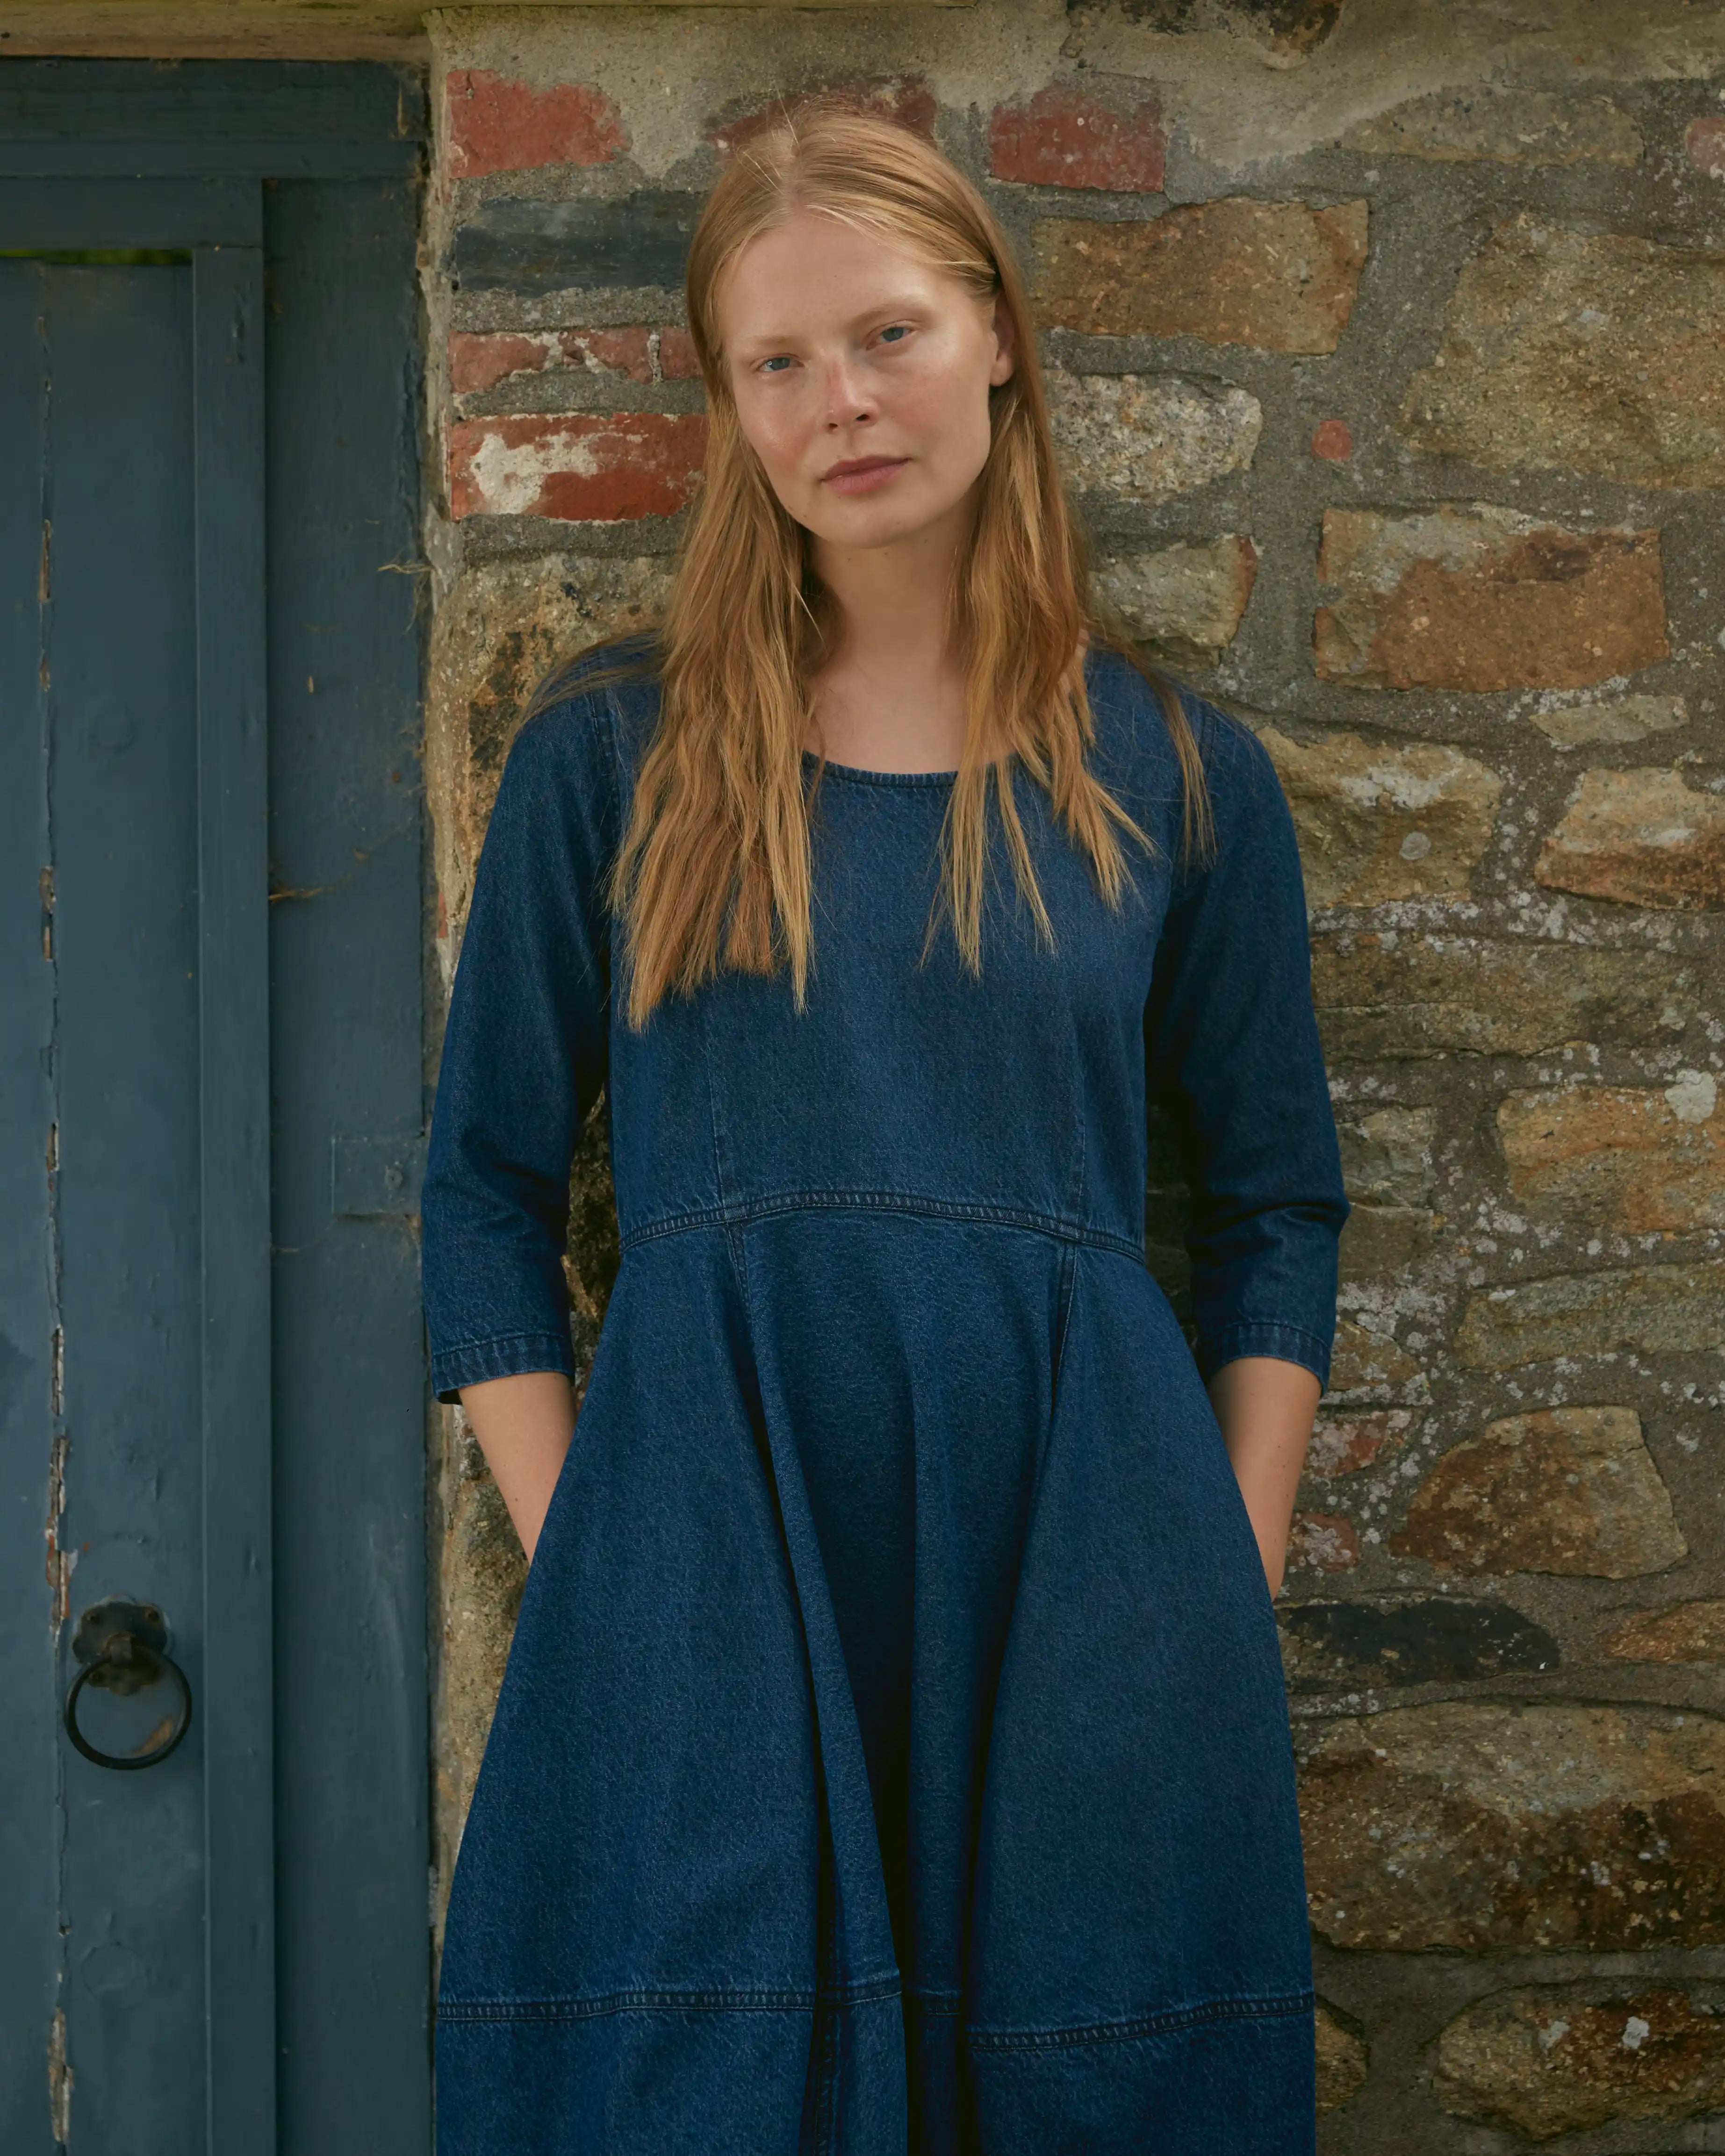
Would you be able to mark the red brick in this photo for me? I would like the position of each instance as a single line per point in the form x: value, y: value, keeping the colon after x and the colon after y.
x: 497, y: 125
x: 1333, y: 439
x: 585, y: 466
x: 677, y: 357
x: 1704, y: 141
x: 480, y: 361
x: 1063, y: 139
x: 907, y: 100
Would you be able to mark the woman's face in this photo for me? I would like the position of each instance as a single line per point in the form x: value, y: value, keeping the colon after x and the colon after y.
x: 861, y: 376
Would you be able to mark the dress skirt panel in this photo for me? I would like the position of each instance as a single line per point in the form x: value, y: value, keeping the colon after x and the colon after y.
x: 635, y: 1898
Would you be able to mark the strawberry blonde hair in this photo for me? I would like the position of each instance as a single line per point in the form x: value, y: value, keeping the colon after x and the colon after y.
x: 714, y: 869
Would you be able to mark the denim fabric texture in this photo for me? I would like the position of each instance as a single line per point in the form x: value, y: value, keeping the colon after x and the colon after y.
x: 893, y: 1755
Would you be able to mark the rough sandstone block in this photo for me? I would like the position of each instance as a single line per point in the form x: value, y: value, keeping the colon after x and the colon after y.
x: 1478, y: 598
x: 1471, y: 1827
x: 1553, y: 2060
x: 1150, y: 437
x: 1323, y: 1542
x: 1683, y: 1632
x: 1621, y: 723
x: 1342, y: 2061
x: 1062, y: 138
x: 1380, y: 1240
x: 501, y: 628
x: 1386, y: 1156
x: 1641, y: 837
x: 1571, y: 1490
x: 1185, y: 601
x: 1394, y: 996
x: 1367, y: 1361
x: 1664, y: 1310
x: 1281, y: 276
x: 1642, y: 1159
x: 1704, y: 140
x: 1345, y: 1445
x: 584, y: 466
x: 495, y: 124
x: 1596, y: 352
x: 480, y: 360
x: 1378, y: 823
x: 1406, y: 1640
x: 1502, y: 127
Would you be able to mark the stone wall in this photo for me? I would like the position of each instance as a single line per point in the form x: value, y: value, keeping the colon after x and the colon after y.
x: 1389, y: 352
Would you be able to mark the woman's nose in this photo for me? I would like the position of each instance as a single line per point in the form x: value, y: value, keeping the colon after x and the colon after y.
x: 847, y: 402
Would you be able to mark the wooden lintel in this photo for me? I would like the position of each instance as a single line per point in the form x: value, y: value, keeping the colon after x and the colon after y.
x: 269, y: 29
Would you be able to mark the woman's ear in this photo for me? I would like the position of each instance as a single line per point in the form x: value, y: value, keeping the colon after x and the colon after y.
x: 1005, y: 344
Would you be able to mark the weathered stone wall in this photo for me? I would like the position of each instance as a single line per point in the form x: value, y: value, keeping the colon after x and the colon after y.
x: 1388, y: 352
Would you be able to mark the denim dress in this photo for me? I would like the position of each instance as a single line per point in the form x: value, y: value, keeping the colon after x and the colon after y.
x: 893, y: 1753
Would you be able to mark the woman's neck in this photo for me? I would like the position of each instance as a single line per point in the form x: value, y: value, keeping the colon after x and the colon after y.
x: 891, y: 696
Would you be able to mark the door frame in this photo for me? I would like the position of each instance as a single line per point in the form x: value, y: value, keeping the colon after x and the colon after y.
x: 126, y: 155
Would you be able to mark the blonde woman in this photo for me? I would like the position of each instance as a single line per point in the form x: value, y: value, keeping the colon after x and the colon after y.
x: 892, y: 1755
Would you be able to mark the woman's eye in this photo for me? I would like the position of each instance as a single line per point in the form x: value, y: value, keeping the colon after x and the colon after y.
x: 780, y: 359
x: 897, y: 330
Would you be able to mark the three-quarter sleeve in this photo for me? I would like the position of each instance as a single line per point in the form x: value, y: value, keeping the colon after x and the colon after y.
x: 524, y: 1057
x: 1233, y: 1059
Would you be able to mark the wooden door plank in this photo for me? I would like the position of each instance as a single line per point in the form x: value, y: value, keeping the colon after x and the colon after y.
x: 233, y: 818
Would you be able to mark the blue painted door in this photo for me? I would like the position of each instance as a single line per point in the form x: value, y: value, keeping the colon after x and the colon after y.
x: 214, y: 1931
x: 100, y: 1155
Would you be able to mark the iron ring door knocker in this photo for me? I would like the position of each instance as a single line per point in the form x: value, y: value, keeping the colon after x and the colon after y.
x: 123, y: 1648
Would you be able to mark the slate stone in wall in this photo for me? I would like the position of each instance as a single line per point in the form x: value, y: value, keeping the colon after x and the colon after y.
x: 1148, y: 438
x: 1641, y: 837
x: 1479, y: 597
x: 1681, y: 1632
x: 513, y: 245
x: 1279, y: 275
x: 1349, y: 1646
x: 1415, y: 996
x: 1555, y: 2060
x: 1666, y: 1310
x: 1564, y: 1490
x: 1501, y: 125
x: 1322, y: 1542
x: 1476, y: 1825
x: 1648, y: 1160
x: 1598, y: 352
x: 1185, y: 602
x: 1377, y: 822
x: 1341, y: 2060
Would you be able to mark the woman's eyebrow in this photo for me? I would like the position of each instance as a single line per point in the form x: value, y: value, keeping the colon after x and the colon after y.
x: 893, y: 304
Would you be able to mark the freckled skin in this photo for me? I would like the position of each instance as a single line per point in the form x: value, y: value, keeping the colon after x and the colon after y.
x: 840, y: 348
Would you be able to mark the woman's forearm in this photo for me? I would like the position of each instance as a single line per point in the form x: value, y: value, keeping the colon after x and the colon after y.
x: 1266, y: 1407
x: 523, y: 1425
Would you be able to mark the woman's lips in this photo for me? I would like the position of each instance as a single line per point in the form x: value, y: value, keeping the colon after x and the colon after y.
x: 864, y: 475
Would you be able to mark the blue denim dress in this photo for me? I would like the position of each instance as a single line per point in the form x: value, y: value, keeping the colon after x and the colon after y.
x: 893, y: 1753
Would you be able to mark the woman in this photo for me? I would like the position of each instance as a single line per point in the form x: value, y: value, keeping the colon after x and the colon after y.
x: 893, y: 1753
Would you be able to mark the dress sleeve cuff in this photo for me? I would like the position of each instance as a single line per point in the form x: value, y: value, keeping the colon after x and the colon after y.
x: 511, y: 1357
x: 1264, y: 1336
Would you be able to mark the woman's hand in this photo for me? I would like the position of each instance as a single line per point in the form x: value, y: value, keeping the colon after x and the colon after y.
x: 1266, y: 1407
x: 523, y: 1425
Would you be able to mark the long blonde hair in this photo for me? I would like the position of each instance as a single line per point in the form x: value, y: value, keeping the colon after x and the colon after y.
x: 714, y: 869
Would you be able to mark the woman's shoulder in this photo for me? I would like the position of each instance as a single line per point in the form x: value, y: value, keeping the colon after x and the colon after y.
x: 1135, y: 747
x: 592, y: 709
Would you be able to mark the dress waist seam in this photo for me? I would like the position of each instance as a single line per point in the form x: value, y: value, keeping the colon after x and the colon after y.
x: 744, y: 1212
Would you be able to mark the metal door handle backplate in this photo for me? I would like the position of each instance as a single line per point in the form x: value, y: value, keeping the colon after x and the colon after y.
x: 122, y: 1647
